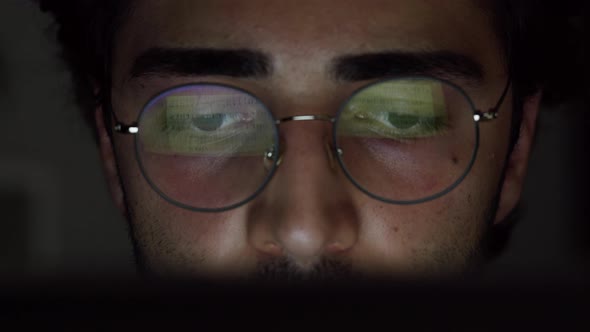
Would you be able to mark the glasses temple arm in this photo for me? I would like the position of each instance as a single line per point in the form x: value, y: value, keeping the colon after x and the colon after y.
x: 504, y: 94
x: 492, y: 113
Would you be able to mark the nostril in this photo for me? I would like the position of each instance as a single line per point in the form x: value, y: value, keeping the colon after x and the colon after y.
x: 336, y: 248
x: 268, y: 250
x: 272, y: 248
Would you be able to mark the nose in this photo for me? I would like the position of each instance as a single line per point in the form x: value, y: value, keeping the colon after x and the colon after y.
x: 307, y: 211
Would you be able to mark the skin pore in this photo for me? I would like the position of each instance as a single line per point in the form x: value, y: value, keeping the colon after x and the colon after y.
x: 310, y: 220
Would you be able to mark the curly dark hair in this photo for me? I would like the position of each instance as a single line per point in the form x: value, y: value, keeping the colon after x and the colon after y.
x: 539, y: 38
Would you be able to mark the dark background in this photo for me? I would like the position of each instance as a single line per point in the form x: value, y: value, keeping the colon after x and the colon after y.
x: 57, y: 219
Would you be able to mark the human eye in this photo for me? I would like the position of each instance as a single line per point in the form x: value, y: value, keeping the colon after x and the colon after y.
x: 398, y: 124
x: 218, y: 124
x: 400, y: 111
x: 214, y: 115
x: 213, y: 122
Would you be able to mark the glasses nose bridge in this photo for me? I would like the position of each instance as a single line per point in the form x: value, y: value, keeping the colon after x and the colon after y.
x: 310, y: 117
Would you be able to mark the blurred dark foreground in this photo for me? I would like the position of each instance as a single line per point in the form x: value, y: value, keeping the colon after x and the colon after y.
x: 459, y: 305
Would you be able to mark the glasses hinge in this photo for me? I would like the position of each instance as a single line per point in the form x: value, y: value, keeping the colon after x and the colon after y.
x: 124, y: 129
x: 485, y: 116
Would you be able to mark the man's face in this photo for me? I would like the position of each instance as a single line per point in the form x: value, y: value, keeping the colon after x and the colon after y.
x: 310, y: 217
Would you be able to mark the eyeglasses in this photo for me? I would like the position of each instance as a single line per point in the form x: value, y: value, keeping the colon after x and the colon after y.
x: 212, y: 147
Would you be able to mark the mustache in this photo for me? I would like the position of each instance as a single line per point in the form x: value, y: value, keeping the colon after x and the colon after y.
x: 285, y: 269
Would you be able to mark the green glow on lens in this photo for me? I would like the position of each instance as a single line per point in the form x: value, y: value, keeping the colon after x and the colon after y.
x: 231, y: 124
x: 407, y: 109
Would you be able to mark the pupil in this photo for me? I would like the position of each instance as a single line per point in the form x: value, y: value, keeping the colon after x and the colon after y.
x: 208, y: 122
x: 402, y: 121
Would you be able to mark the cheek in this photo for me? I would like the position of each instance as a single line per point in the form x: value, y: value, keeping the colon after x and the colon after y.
x: 204, y: 181
x: 188, y: 242
x: 173, y: 238
x: 407, y: 170
x: 439, y: 236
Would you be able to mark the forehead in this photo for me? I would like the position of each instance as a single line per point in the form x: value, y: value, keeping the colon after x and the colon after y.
x: 302, y: 37
x: 295, y: 26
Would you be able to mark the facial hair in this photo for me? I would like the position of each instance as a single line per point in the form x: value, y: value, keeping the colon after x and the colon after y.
x: 284, y: 269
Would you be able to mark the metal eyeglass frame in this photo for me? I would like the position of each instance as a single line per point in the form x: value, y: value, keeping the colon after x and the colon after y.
x: 478, y: 116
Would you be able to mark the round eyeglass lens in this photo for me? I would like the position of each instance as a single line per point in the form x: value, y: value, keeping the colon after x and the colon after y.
x: 407, y: 140
x: 207, y: 147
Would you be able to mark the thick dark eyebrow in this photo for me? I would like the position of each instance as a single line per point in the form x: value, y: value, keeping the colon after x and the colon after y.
x: 442, y: 64
x: 201, y: 62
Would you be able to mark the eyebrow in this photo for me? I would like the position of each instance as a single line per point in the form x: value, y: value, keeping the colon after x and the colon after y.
x: 201, y: 62
x: 248, y: 63
x: 443, y: 64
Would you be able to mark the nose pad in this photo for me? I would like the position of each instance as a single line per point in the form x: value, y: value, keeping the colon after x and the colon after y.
x: 269, y: 156
x: 331, y: 159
